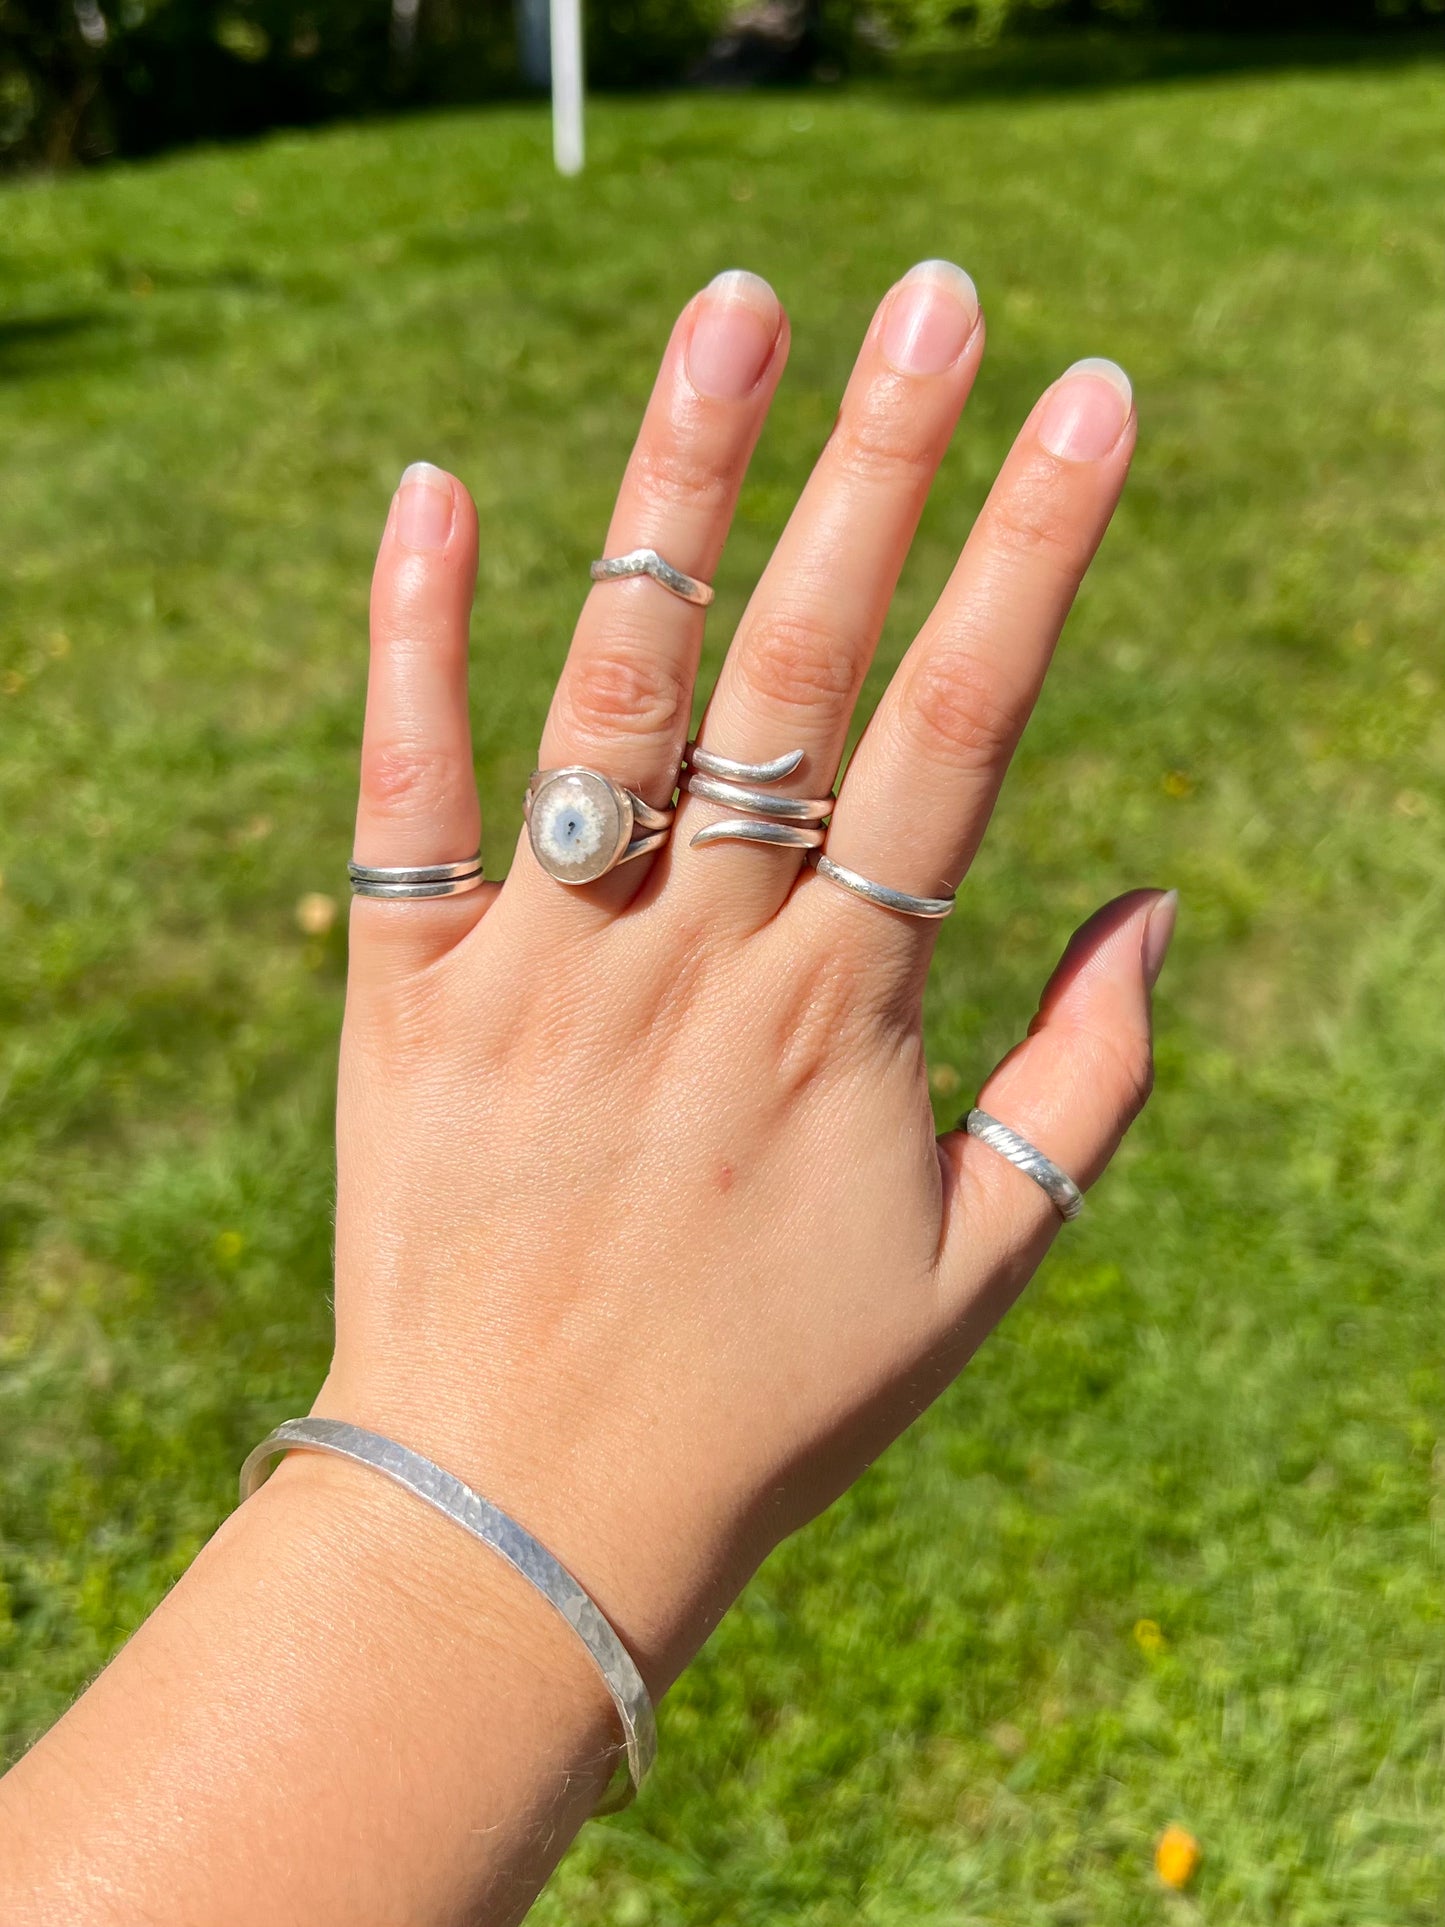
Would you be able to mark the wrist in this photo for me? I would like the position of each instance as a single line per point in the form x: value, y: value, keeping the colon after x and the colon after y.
x: 649, y: 1554
x: 440, y: 1609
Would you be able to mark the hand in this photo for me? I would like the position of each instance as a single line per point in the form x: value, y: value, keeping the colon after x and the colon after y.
x: 643, y: 1228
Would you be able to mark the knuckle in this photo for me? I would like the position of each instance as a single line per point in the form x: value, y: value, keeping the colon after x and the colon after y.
x: 796, y: 661
x: 823, y: 1005
x: 871, y: 449
x: 667, y: 476
x: 1031, y: 522
x: 405, y: 778
x: 628, y: 691
x: 957, y: 714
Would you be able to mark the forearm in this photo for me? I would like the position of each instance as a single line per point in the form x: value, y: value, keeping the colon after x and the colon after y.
x: 346, y: 1711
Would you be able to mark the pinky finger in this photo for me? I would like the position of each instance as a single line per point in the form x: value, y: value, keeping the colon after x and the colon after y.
x: 418, y: 800
x: 1072, y: 1088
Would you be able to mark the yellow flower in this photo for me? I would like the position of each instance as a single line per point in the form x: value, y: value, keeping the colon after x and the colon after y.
x: 1178, y: 783
x: 1149, y: 1637
x: 229, y: 1246
x: 1176, y: 1856
x: 315, y: 913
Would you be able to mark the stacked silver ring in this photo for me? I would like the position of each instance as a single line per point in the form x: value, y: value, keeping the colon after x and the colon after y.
x: 788, y: 822
x: 416, y: 880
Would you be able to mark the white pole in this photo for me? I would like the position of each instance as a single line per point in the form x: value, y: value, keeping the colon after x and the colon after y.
x: 567, y: 85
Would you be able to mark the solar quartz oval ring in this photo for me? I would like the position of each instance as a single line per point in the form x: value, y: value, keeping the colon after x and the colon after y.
x: 403, y: 883
x: 581, y: 824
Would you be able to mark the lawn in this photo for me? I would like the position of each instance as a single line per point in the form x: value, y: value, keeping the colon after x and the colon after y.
x: 1171, y: 1550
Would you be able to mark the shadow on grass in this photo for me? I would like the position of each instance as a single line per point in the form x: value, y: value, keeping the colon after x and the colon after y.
x: 28, y: 342
x: 1083, y: 61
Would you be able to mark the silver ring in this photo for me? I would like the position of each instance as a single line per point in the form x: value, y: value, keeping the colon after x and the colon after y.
x: 510, y: 1541
x: 786, y: 822
x: 882, y: 894
x: 615, y: 568
x: 1065, y: 1196
x: 581, y: 824
x: 406, y: 881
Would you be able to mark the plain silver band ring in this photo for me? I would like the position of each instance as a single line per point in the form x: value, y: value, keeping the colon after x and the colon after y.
x: 407, y: 881
x: 882, y: 894
x: 1064, y: 1195
x: 616, y: 568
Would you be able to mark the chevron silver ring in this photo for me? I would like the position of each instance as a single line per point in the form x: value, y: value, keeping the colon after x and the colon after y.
x: 616, y: 568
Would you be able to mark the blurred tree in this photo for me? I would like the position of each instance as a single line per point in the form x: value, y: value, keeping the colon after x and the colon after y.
x: 987, y: 20
x: 80, y: 79
x: 640, y: 43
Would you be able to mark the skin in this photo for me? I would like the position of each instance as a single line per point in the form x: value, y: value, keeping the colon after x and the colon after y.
x: 643, y: 1229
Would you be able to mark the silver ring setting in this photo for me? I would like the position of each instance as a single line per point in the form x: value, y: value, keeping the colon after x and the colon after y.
x: 882, y: 894
x: 403, y: 882
x: 786, y: 822
x: 616, y: 568
x: 1064, y: 1195
x: 581, y: 824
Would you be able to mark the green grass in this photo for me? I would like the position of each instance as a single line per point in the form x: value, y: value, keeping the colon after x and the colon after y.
x: 1220, y: 1407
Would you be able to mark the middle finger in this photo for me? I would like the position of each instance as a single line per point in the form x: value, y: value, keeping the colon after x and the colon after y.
x: 625, y: 693
x: 795, y: 667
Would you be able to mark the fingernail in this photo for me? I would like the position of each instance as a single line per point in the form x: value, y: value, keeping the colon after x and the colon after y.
x: 931, y: 314
x: 733, y: 335
x: 1086, y: 411
x: 1158, y: 934
x: 423, y: 507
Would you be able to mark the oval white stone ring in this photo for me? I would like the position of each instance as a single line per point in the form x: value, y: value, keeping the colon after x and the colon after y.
x: 581, y: 824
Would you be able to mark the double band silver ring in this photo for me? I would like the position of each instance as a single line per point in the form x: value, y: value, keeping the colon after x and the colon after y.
x: 616, y: 568
x: 581, y: 824
x: 788, y: 822
x: 882, y: 894
x: 403, y: 882
x: 1065, y: 1196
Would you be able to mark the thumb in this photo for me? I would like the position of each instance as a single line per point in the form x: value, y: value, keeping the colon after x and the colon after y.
x: 1072, y: 1088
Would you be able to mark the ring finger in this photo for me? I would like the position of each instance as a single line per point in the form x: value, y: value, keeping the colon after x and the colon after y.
x: 625, y: 693
x: 793, y: 672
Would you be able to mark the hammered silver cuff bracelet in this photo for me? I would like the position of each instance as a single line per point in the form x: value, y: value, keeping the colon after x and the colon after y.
x: 522, y: 1553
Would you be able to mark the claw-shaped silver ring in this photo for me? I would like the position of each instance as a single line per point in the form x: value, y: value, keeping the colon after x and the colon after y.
x: 787, y: 822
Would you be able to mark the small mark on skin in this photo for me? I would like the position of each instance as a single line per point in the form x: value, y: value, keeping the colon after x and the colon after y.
x: 725, y: 1178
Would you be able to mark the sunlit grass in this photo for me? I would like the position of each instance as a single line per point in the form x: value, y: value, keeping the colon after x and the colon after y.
x: 1218, y: 1411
